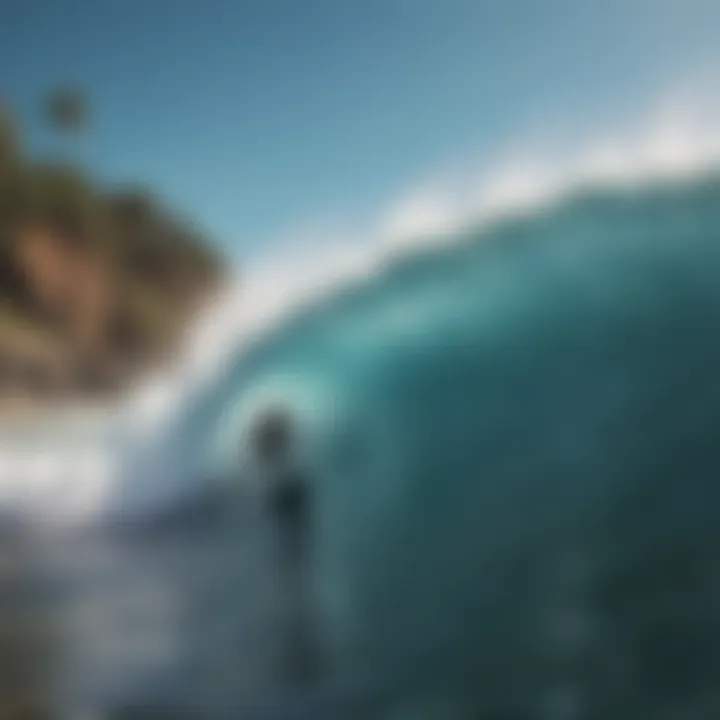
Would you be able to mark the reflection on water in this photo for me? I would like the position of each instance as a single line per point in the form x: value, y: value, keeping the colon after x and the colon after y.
x: 27, y: 630
x: 182, y: 618
x: 179, y: 614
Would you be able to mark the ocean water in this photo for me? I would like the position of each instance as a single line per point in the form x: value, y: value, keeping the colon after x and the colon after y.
x: 512, y: 439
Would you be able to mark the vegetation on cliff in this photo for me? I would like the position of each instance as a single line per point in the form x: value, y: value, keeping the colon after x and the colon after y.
x: 96, y: 284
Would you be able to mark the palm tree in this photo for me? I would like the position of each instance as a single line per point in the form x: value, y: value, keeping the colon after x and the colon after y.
x: 66, y: 110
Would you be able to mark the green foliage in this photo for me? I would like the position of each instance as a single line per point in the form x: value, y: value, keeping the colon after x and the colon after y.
x: 154, y: 245
x: 61, y: 198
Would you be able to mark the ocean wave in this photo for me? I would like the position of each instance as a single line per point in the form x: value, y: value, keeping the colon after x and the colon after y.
x: 62, y: 471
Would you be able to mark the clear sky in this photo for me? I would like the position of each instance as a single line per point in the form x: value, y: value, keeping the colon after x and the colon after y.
x: 257, y: 116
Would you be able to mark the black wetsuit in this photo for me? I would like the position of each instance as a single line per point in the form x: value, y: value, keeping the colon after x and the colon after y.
x: 290, y: 504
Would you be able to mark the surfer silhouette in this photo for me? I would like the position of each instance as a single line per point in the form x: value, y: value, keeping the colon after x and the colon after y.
x: 287, y: 494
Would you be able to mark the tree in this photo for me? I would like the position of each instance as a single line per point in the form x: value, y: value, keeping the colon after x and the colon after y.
x: 66, y: 110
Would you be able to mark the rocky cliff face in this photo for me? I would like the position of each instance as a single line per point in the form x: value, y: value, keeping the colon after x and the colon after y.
x: 76, y: 324
x: 95, y: 286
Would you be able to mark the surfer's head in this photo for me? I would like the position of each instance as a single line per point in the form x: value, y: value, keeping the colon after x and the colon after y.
x: 272, y: 434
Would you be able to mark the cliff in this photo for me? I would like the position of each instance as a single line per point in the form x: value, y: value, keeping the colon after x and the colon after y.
x: 96, y: 285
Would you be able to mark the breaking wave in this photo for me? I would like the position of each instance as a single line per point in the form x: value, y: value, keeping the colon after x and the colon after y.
x: 309, y: 326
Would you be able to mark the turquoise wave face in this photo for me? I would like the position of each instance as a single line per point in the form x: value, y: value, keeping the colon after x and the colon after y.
x: 506, y: 432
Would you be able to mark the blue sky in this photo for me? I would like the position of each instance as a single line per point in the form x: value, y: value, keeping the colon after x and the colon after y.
x: 260, y: 116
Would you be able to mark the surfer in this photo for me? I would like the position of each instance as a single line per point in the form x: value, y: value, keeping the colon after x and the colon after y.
x: 287, y: 494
